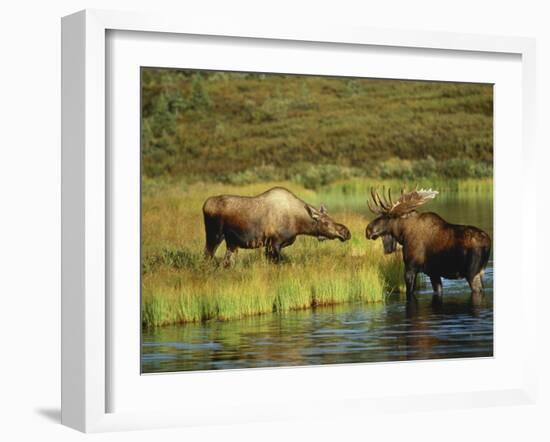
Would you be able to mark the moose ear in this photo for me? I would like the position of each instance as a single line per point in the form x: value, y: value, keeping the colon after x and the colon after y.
x: 323, y: 209
x: 312, y: 212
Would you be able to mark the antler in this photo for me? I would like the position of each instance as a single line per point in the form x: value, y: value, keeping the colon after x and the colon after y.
x: 405, y: 204
x: 411, y: 200
x: 382, y: 205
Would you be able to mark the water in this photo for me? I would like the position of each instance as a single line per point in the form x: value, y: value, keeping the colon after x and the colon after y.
x: 351, y: 333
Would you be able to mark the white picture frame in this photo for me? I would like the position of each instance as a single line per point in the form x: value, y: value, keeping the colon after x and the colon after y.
x: 86, y: 204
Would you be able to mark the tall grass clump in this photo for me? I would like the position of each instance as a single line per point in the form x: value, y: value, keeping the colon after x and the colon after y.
x: 368, y: 284
x: 257, y: 289
x: 290, y: 294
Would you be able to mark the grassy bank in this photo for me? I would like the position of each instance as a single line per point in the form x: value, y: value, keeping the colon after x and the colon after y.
x: 178, y: 285
x: 175, y: 296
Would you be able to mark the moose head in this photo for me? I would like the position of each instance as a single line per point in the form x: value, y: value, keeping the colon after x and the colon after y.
x: 389, y: 213
x: 325, y: 227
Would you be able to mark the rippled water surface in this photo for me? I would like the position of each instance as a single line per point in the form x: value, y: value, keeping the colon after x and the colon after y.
x: 393, y: 331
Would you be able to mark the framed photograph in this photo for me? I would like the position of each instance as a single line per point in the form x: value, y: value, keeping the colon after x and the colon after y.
x: 263, y: 223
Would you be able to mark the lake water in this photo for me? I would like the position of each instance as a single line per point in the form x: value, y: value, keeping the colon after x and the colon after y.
x: 394, y: 331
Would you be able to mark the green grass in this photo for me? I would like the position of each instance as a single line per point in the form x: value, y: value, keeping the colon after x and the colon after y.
x: 352, y: 194
x: 257, y: 288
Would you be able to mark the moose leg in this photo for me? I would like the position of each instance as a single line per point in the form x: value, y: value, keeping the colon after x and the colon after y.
x: 273, y: 252
x: 228, y: 259
x: 481, y: 279
x: 477, y: 288
x: 410, y: 283
x: 475, y: 284
x: 211, y: 246
x: 474, y: 274
x: 436, y: 285
x: 214, y: 236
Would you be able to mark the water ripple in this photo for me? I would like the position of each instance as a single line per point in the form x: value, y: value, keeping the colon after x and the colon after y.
x: 349, y: 333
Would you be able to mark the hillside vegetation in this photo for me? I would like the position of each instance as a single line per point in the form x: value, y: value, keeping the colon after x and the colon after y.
x: 242, y: 128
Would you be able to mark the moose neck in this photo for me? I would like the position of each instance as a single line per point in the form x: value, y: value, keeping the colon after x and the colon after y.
x: 306, y: 226
x: 397, y: 227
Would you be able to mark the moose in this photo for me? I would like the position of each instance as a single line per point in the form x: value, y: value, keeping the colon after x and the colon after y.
x: 272, y: 220
x: 430, y: 244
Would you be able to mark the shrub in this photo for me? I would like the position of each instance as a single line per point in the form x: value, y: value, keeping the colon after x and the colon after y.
x: 315, y: 176
x: 199, y: 99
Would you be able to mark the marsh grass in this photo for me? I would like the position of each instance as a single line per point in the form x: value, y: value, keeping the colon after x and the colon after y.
x: 351, y: 194
x: 256, y: 288
x: 179, y: 285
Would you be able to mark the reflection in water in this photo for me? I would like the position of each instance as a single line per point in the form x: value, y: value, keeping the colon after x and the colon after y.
x: 449, y: 327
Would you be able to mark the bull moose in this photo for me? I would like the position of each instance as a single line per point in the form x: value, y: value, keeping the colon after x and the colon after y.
x: 430, y: 244
x: 272, y: 220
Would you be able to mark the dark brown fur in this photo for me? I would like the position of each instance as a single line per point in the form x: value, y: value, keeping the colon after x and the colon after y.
x: 272, y: 220
x: 434, y: 247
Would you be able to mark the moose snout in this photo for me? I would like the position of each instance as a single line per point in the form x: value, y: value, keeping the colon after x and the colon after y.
x: 344, y: 233
x: 369, y: 233
x: 347, y: 235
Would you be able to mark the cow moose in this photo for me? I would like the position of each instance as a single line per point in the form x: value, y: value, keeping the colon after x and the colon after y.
x: 272, y: 220
x: 430, y: 244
